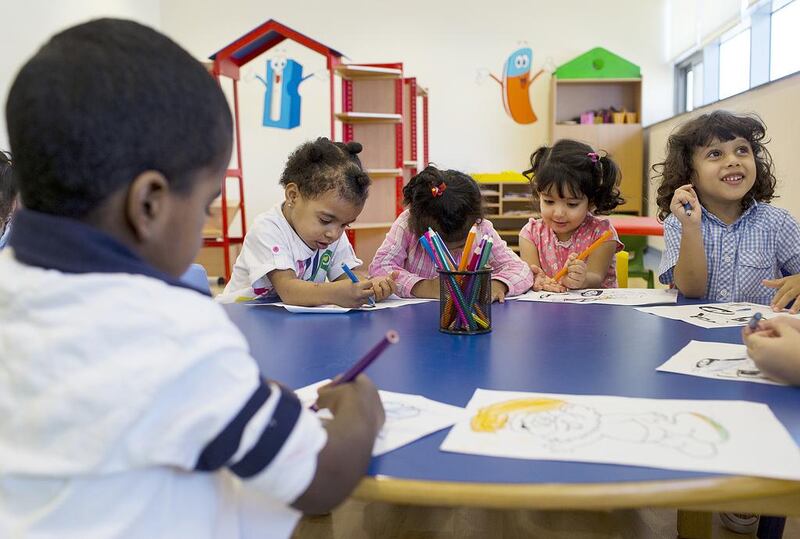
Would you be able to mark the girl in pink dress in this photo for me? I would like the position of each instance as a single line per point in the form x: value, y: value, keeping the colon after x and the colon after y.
x: 572, y: 183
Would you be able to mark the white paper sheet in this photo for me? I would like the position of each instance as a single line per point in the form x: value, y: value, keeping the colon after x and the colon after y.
x: 391, y: 302
x: 604, y: 296
x: 720, y: 361
x: 714, y: 315
x: 408, y: 417
x: 731, y: 437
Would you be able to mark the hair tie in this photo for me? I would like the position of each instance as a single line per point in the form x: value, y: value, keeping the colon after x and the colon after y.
x: 593, y: 156
x: 438, y: 191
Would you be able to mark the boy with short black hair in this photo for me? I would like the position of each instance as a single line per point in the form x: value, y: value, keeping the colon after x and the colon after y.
x: 131, y: 406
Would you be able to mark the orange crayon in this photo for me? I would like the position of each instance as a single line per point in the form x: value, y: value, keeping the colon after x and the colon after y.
x: 585, y: 254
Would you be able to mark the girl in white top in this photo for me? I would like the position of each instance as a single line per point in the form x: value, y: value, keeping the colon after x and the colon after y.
x: 294, y: 248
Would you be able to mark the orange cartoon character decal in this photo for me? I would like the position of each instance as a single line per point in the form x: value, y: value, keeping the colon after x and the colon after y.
x: 516, y: 82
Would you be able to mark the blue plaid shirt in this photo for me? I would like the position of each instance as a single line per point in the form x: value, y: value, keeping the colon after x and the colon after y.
x: 764, y: 243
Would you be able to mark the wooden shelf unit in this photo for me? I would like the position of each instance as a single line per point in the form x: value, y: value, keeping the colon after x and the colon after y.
x: 507, y: 203
x: 381, y: 110
x: 372, y: 114
x: 623, y: 142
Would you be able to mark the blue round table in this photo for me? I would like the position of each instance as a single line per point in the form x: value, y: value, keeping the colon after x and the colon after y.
x: 541, y: 347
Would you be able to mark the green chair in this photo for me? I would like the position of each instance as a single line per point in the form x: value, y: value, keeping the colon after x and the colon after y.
x: 636, y: 247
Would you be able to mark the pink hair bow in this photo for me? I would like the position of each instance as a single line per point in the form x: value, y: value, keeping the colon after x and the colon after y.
x: 437, y: 191
x: 593, y: 156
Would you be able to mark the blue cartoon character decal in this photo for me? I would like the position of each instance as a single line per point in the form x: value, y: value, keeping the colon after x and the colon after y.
x: 516, y: 82
x: 281, y: 99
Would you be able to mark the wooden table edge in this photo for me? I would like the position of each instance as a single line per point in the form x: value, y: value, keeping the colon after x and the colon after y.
x: 723, y: 493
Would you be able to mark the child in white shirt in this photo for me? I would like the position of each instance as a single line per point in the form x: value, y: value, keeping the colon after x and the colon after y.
x: 294, y: 248
x: 131, y: 406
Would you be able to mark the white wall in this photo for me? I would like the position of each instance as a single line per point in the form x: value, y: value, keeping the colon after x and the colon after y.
x: 443, y: 43
x: 28, y: 24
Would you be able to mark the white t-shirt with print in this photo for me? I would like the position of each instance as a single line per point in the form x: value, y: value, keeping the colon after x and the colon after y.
x: 272, y: 244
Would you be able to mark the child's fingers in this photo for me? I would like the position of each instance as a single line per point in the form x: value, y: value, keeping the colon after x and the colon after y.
x: 774, y: 283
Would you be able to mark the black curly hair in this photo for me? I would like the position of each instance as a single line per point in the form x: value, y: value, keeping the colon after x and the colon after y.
x: 676, y: 169
x: 318, y: 166
x: 104, y: 101
x: 8, y: 188
x: 574, y: 168
x: 452, y: 213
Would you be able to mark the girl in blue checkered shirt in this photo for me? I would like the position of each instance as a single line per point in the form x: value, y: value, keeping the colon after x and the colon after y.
x: 723, y: 241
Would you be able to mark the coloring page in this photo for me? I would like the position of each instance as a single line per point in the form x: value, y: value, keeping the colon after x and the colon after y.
x: 720, y: 361
x: 731, y: 437
x: 604, y: 296
x: 714, y: 315
x: 408, y: 417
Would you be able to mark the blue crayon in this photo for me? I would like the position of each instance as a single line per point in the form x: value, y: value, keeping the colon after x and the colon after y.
x: 753, y: 323
x: 687, y: 208
x: 354, y: 278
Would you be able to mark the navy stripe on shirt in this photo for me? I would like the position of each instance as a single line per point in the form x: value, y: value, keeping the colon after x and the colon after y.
x: 221, y: 449
x: 71, y: 246
x: 272, y: 438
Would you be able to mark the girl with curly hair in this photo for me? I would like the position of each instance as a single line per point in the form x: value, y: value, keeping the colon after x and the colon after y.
x: 296, y: 251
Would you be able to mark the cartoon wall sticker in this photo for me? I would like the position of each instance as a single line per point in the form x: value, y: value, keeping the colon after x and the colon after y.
x: 281, y: 98
x: 516, y: 83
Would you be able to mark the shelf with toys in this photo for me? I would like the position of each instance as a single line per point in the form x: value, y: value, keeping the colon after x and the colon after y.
x: 597, y: 98
x: 508, y: 203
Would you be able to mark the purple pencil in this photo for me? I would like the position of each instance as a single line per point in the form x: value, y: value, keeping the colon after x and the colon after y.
x: 391, y: 337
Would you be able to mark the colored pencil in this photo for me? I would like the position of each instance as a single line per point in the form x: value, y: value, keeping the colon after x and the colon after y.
x: 354, y: 278
x: 586, y: 252
x: 391, y: 337
x: 462, y: 265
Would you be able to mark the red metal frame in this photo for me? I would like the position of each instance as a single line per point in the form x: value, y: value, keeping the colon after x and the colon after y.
x: 227, y: 62
x: 425, y: 160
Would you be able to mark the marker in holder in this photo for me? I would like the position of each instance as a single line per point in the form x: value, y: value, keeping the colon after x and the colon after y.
x: 465, y: 306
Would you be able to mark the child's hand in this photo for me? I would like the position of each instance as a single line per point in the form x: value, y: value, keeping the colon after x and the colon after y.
x: 359, y: 399
x: 776, y: 350
x: 350, y: 294
x: 384, y: 286
x: 788, y: 290
x: 576, y: 272
x: 499, y: 291
x: 683, y: 195
x: 541, y: 282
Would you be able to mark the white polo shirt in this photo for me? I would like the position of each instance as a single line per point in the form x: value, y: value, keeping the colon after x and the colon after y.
x: 130, y: 406
x: 272, y: 244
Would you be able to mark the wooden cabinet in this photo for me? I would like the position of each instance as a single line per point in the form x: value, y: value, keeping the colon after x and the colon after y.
x: 380, y: 110
x: 599, y: 80
x: 507, y: 203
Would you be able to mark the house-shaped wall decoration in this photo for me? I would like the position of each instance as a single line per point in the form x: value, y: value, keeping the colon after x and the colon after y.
x: 598, y: 63
x: 226, y: 63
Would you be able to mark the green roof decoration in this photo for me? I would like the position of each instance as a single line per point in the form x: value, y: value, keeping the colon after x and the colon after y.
x: 598, y: 63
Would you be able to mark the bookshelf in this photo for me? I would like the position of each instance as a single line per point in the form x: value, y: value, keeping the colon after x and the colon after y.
x: 507, y: 203
x: 595, y: 81
x: 380, y: 109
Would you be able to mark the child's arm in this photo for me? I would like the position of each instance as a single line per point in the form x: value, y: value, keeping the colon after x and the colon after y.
x: 510, y: 274
x: 357, y: 418
x: 691, y: 270
x: 383, y: 286
x: 391, y: 258
x: 530, y: 255
x: 342, y: 292
x: 775, y: 348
